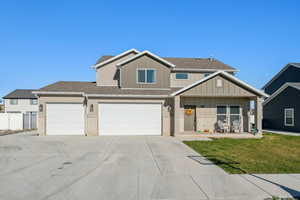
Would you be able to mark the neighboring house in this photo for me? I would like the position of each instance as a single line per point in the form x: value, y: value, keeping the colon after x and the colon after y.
x: 25, y: 102
x: 139, y: 93
x: 282, y: 108
x: 1, y: 108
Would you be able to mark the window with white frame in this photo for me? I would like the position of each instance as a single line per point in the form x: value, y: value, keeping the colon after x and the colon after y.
x: 234, y: 112
x: 33, y: 101
x: 289, y: 117
x: 146, y: 75
x: 222, y: 113
x: 13, y: 101
x: 181, y: 76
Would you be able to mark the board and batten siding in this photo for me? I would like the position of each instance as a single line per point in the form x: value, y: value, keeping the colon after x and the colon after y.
x: 107, y: 75
x: 273, y: 111
x: 291, y: 74
x: 209, y: 89
x: 129, y: 77
x: 192, y: 77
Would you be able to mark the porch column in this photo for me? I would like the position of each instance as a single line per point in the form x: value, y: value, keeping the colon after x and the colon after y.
x: 176, y: 115
x: 258, y: 114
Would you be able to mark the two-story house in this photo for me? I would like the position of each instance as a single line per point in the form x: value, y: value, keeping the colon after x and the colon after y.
x: 139, y: 93
x: 25, y: 102
x: 282, y: 108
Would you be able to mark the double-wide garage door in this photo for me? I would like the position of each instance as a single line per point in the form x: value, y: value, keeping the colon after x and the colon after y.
x: 64, y: 119
x: 129, y: 119
x: 113, y: 119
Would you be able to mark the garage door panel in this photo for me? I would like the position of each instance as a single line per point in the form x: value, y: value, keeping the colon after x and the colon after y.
x: 64, y: 119
x: 129, y: 119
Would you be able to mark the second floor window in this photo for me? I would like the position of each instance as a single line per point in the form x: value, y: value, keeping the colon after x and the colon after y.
x: 207, y: 74
x: 33, y: 101
x: 146, y: 76
x: 181, y: 76
x: 14, y: 102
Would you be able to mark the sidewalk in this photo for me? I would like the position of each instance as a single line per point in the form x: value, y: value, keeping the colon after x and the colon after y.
x: 277, y: 185
x: 282, y: 132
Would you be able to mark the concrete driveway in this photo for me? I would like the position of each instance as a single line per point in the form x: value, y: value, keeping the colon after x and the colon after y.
x: 33, y: 167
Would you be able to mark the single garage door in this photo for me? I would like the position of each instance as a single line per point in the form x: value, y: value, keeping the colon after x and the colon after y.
x: 64, y: 119
x: 129, y: 119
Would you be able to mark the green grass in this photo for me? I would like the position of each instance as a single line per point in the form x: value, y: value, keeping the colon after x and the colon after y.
x: 272, y: 154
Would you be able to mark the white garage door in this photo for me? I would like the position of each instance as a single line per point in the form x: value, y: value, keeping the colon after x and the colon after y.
x: 64, y: 119
x: 129, y: 119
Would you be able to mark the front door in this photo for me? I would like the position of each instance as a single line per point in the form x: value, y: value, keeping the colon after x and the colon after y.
x: 189, y: 118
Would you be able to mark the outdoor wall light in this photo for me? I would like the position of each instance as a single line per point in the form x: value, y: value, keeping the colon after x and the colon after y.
x: 41, y: 107
x: 91, y: 108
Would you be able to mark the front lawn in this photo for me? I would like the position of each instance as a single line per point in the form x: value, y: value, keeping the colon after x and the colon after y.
x: 272, y: 154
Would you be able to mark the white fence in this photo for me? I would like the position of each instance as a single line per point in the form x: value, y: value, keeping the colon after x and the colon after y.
x: 11, y: 121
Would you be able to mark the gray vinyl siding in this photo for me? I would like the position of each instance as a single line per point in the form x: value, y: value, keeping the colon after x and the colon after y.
x: 292, y: 74
x: 128, y: 73
x: 273, y: 111
x: 210, y: 89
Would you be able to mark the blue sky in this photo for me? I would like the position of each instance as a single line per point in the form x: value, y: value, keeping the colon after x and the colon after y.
x: 46, y: 41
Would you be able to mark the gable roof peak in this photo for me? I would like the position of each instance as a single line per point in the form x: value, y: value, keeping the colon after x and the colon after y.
x: 280, y: 72
x: 227, y: 75
x: 146, y: 52
x: 97, y: 65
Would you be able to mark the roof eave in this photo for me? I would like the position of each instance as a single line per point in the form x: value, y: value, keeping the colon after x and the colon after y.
x: 254, y: 90
x: 114, y: 58
x: 203, y: 70
x: 58, y: 92
x: 278, y: 74
x: 126, y: 96
x: 281, y: 89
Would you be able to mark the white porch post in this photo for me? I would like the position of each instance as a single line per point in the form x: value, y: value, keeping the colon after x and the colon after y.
x: 176, y: 115
x: 258, y: 114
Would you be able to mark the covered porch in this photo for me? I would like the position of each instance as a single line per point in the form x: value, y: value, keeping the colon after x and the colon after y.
x: 217, y: 116
x: 218, y: 105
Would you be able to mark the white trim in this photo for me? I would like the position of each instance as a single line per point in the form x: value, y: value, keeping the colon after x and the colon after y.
x: 279, y: 73
x: 293, y: 116
x: 182, y: 79
x: 202, y: 70
x: 146, y: 53
x: 146, y: 89
x: 229, y: 76
x: 145, y: 69
x: 54, y: 92
x: 129, y: 96
x: 107, y: 85
x: 282, y: 88
x: 115, y: 57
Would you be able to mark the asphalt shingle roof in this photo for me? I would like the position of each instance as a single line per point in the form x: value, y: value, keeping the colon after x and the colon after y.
x: 92, y: 88
x: 20, y: 94
x: 189, y: 63
x: 297, y: 64
x: 296, y: 85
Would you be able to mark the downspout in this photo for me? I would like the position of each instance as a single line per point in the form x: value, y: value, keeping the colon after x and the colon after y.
x: 85, y: 103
